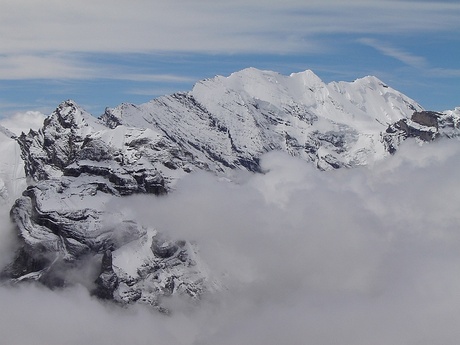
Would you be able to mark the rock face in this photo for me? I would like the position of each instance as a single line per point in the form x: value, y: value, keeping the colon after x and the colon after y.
x: 107, y: 282
x: 77, y: 165
x: 424, y: 126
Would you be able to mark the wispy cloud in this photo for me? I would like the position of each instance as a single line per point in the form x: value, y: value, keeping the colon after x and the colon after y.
x: 151, y: 92
x: 11, y: 109
x: 207, y: 26
x: 40, y: 39
x: 168, y: 78
x: 396, y: 53
x: 54, y: 40
x: 445, y: 72
x: 68, y: 66
x: 418, y: 62
x: 42, y: 66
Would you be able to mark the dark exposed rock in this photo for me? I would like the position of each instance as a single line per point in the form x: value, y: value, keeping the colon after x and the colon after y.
x: 70, y: 233
x: 108, y: 281
x: 34, y: 166
x: 426, y: 118
x: 331, y: 161
x: 169, y: 286
x: 424, y: 125
x: 95, y: 150
x: 411, y: 131
x: 57, y: 144
x: 164, y: 248
x: 252, y: 165
x: 27, y: 260
x: 110, y: 120
x: 337, y: 139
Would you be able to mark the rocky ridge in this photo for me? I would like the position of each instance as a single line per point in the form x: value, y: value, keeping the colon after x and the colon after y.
x: 77, y: 165
x: 424, y: 126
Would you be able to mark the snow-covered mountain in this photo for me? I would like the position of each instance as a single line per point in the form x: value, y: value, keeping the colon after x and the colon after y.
x: 228, y: 122
x: 77, y: 165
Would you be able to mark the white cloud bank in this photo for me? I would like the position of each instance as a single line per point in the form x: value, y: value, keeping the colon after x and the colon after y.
x: 362, y: 256
x: 23, y: 122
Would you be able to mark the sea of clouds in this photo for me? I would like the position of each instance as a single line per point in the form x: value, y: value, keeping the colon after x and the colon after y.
x: 368, y: 255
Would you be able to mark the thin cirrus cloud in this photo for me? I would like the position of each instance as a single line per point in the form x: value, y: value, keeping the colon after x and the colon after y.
x: 65, y: 66
x: 151, y: 92
x: 28, y: 66
x: 417, y: 62
x: 205, y: 26
x: 396, y: 53
x: 95, y: 46
x: 168, y: 78
x: 38, y: 40
x: 445, y: 72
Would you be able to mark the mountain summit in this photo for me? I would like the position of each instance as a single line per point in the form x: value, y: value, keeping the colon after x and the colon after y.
x: 77, y: 164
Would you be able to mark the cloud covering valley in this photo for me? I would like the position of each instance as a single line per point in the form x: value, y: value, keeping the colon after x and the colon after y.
x: 358, y: 256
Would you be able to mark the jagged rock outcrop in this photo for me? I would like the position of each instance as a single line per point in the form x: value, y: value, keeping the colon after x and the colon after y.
x: 107, y: 281
x: 423, y: 125
x: 77, y: 166
x: 166, y: 267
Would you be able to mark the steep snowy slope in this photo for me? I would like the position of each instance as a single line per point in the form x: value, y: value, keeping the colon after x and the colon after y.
x: 79, y: 166
x: 228, y: 122
x: 12, y: 175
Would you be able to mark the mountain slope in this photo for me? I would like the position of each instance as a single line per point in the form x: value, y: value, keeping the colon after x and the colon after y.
x: 228, y: 122
x: 12, y: 175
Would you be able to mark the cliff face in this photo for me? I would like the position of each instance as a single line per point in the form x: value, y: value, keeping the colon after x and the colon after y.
x: 424, y: 126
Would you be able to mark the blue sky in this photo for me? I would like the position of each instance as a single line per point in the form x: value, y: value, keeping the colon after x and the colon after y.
x: 102, y: 53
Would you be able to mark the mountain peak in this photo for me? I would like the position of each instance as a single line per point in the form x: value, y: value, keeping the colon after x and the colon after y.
x: 67, y: 107
x: 371, y: 80
x: 252, y: 71
x: 68, y: 114
x: 308, y: 77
